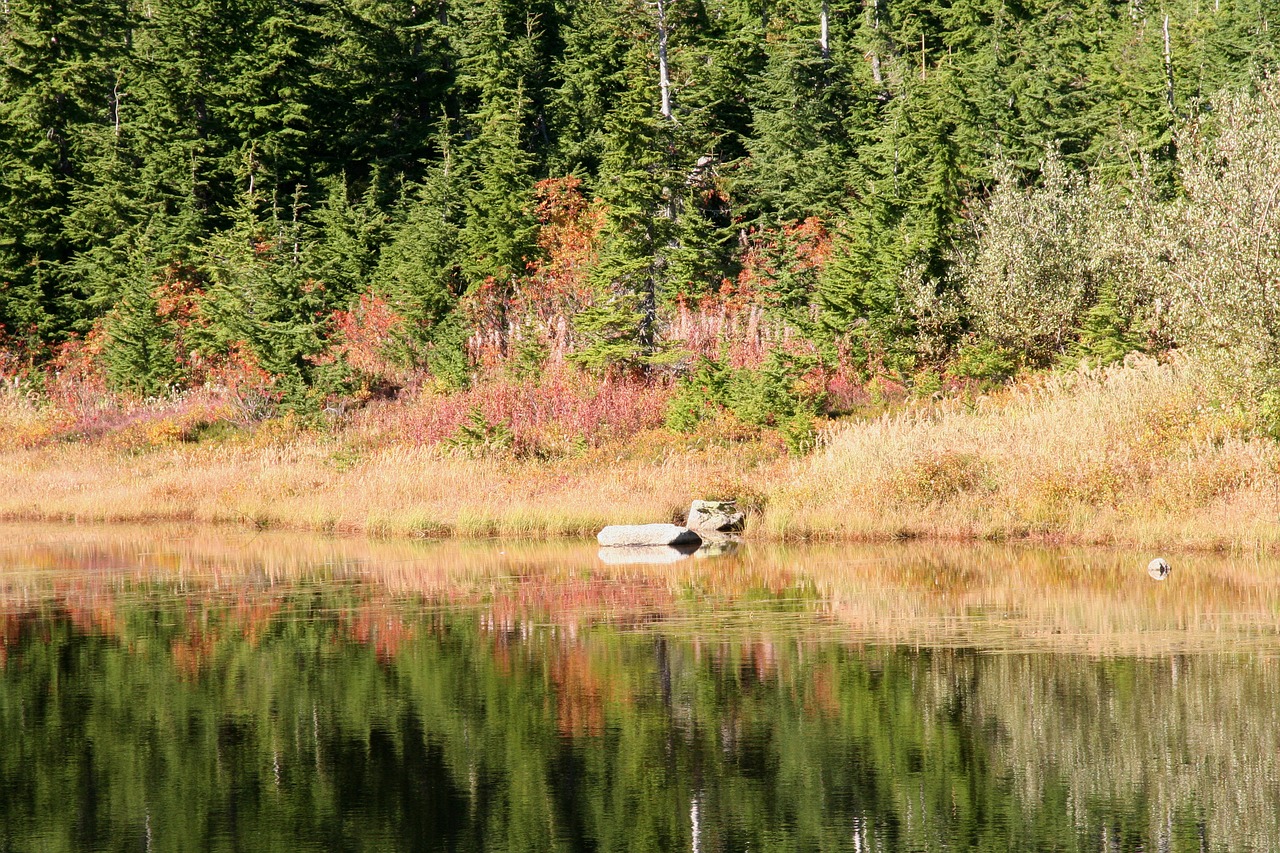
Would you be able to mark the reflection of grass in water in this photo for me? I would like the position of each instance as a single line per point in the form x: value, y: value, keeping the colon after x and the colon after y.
x: 1094, y: 601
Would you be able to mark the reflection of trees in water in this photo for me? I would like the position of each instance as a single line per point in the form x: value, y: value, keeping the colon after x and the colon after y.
x: 1193, y: 742
x: 315, y: 717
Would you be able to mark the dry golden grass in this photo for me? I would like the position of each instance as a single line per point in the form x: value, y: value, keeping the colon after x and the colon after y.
x: 306, y: 481
x: 1146, y: 454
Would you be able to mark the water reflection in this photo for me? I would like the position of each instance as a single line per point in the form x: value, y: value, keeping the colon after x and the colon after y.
x: 188, y: 688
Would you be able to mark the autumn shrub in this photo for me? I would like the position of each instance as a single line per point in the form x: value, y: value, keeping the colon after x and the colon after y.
x: 75, y: 385
x: 556, y: 284
x: 928, y: 479
x: 362, y: 343
x: 25, y: 421
x: 769, y: 305
x: 564, y: 412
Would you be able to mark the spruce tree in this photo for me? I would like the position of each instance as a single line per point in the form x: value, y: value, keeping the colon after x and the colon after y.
x: 260, y: 297
x: 638, y: 185
x: 56, y: 85
x: 799, y: 144
x: 139, y: 354
x: 347, y: 238
x: 419, y: 272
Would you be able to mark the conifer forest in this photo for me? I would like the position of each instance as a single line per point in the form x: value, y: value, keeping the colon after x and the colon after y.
x: 547, y: 225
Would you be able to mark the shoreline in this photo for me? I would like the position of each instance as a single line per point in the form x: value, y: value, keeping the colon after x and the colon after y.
x: 1146, y: 455
x: 88, y: 485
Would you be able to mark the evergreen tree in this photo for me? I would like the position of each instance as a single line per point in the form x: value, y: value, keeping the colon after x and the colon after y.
x: 56, y: 84
x: 637, y: 183
x: 799, y: 144
x: 139, y: 354
x: 348, y: 236
x: 260, y: 297
x: 419, y: 272
x: 700, y: 256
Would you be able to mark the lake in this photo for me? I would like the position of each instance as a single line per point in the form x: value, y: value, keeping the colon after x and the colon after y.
x: 176, y: 688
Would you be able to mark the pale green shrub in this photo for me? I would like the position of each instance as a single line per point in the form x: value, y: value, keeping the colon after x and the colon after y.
x: 1222, y: 240
x: 1041, y: 257
x: 1028, y: 277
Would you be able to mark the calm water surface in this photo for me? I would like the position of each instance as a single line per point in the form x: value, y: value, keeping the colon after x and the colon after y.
x: 182, y: 689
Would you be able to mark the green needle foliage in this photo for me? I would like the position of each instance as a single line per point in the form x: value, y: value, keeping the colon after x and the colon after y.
x: 306, y: 156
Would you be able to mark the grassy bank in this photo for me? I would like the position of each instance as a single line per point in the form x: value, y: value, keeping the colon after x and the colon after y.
x: 313, y: 482
x: 1145, y: 454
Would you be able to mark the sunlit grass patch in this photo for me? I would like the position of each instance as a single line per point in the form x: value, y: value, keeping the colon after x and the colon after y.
x: 1090, y: 455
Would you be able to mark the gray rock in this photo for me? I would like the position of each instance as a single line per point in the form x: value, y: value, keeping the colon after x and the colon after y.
x: 619, y: 535
x: 716, y: 516
x: 1158, y: 568
x: 650, y: 555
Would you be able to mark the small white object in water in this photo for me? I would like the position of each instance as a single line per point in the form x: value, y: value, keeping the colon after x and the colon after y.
x: 1158, y: 568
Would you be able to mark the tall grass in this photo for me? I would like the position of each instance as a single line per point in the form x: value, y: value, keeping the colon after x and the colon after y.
x: 1146, y: 453
x: 316, y: 482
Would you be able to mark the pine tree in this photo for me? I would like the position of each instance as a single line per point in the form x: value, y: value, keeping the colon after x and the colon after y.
x: 260, y: 297
x: 799, y: 144
x: 139, y: 354
x: 703, y: 243
x: 419, y: 272
x: 348, y: 237
x: 56, y: 85
x: 589, y: 79
x: 377, y: 85
x: 497, y: 62
x: 637, y: 183
x: 906, y: 218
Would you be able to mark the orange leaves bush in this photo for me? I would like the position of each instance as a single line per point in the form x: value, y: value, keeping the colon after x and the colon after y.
x: 362, y: 338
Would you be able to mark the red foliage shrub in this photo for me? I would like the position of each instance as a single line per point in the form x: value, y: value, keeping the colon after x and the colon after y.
x: 76, y: 385
x: 239, y: 382
x: 804, y: 247
x: 360, y: 338
x: 556, y: 284
x: 737, y: 322
x: 566, y: 409
x: 15, y: 357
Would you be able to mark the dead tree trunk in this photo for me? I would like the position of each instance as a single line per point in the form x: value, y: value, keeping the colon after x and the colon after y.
x: 873, y: 55
x: 664, y: 78
x: 825, y: 39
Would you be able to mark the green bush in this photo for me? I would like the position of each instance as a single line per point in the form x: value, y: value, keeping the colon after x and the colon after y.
x: 477, y: 435
x: 984, y: 360
x: 772, y: 396
x: 1106, y: 335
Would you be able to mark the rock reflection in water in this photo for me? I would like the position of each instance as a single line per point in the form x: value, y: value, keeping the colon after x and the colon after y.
x: 644, y: 555
x: 293, y: 693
